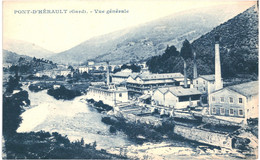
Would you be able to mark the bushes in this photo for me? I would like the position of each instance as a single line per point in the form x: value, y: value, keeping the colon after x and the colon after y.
x: 63, y: 93
x: 100, y: 106
x: 39, y: 87
x: 135, y: 130
x: 112, y: 129
x: 43, y: 145
x: 103, y: 106
x: 108, y: 120
x: 90, y: 101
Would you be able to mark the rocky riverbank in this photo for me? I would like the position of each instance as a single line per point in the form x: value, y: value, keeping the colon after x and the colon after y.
x: 145, y: 134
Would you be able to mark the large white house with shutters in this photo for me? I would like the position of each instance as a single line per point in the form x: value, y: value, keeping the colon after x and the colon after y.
x: 237, y: 101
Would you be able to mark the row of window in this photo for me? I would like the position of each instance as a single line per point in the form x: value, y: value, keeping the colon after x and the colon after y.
x: 204, y: 89
x: 231, y: 111
x: 197, y: 82
x: 230, y: 99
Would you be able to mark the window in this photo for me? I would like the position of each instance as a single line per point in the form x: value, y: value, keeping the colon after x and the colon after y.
x: 197, y: 82
x: 203, y: 82
x: 231, y: 111
x: 222, y: 111
x: 240, y: 100
x: 213, y: 110
x: 222, y: 99
x: 120, y: 94
x: 204, y: 89
x: 231, y: 100
x: 240, y: 112
x: 213, y: 99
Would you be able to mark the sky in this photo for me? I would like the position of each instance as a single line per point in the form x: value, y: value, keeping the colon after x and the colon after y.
x: 60, y: 31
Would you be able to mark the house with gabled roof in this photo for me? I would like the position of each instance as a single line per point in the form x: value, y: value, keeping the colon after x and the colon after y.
x: 237, y: 101
x: 205, y: 83
x: 176, y: 97
x: 158, y: 96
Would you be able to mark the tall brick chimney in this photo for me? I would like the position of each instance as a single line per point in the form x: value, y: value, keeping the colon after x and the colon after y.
x: 218, y: 82
x: 108, y: 74
x: 195, y: 71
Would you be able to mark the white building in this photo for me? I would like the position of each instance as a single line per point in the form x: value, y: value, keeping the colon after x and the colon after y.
x: 146, y: 81
x: 90, y: 63
x: 111, y: 95
x: 83, y: 69
x: 238, y: 101
x: 205, y: 83
x: 53, y: 73
x: 176, y: 97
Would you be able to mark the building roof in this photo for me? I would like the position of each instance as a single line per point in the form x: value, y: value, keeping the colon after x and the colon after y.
x: 125, y: 74
x: 246, y: 89
x: 163, y: 90
x: 210, y: 77
x: 110, y: 88
x: 145, y: 76
x: 180, y: 91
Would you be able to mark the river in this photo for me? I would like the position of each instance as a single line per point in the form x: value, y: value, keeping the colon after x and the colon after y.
x: 72, y: 118
x: 78, y: 120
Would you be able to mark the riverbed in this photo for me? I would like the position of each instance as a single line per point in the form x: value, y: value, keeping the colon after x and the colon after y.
x: 77, y: 120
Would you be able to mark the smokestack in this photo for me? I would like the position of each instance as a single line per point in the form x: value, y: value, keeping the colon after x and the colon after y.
x: 108, y: 75
x: 218, y: 82
x: 185, y: 74
x: 195, y: 72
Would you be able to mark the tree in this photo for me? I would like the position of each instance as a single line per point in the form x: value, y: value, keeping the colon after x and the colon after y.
x: 85, y: 75
x: 12, y: 111
x: 172, y: 50
x: 166, y: 63
x: 71, y: 68
x: 21, y: 59
x: 12, y: 84
x: 69, y: 76
x: 186, y: 53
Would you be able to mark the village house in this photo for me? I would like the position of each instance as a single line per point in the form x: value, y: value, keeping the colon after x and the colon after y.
x: 147, y: 81
x: 53, y: 73
x: 91, y: 63
x: 83, y: 69
x: 237, y: 101
x: 101, y: 66
x: 205, y: 83
x: 176, y: 97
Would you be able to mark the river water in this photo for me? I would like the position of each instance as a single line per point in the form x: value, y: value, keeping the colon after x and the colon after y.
x: 72, y: 118
x: 78, y: 120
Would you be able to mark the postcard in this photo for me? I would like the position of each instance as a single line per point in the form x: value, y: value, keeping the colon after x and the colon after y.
x: 111, y: 79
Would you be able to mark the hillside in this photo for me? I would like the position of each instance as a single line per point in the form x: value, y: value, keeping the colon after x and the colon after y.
x: 25, y: 64
x: 25, y: 48
x: 238, y: 47
x: 149, y: 39
x: 12, y: 58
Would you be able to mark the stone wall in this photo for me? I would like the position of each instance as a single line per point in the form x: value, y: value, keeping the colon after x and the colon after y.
x: 138, y: 119
x: 212, y: 120
x: 203, y: 136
